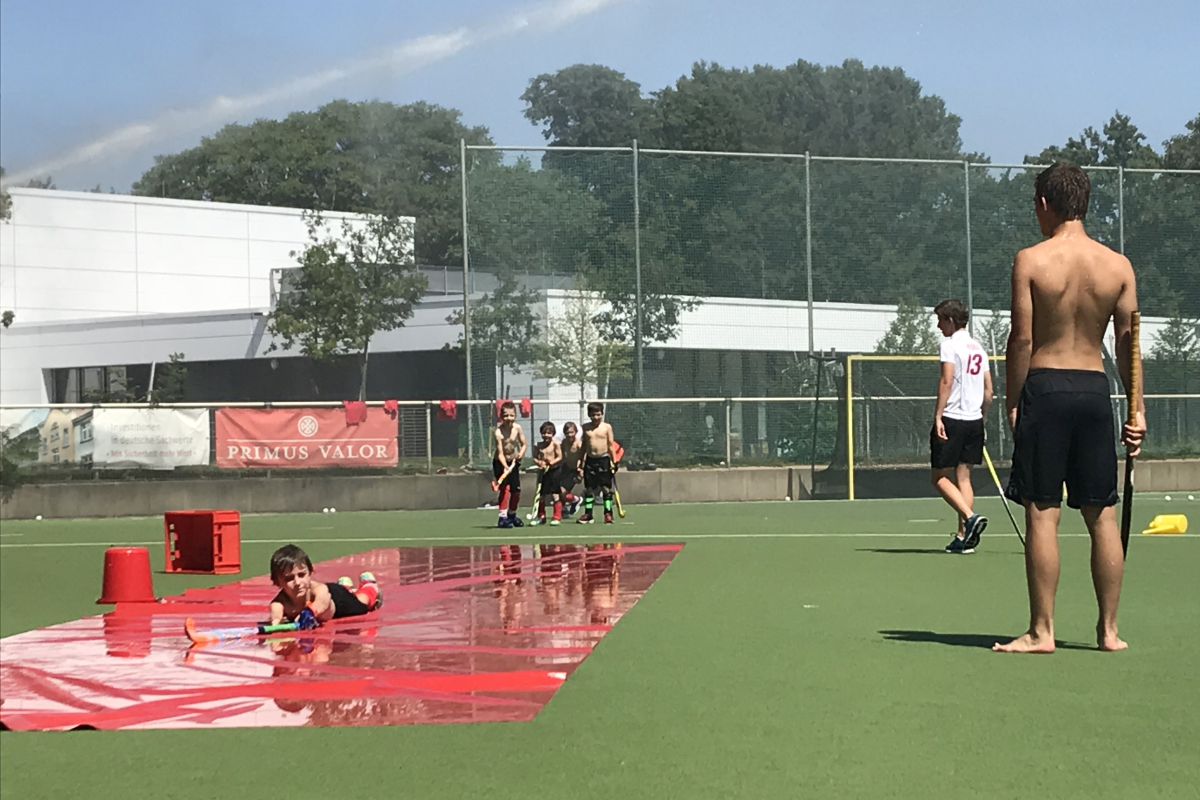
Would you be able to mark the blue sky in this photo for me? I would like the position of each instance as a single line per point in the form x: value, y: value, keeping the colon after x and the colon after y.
x: 1021, y: 74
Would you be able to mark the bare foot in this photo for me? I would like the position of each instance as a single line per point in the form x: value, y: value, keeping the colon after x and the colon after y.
x: 1109, y: 642
x: 1029, y: 643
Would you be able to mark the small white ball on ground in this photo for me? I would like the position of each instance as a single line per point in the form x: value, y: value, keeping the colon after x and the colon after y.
x: 722, y: 463
x: 1167, y: 497
x: 38, y: 517
x: 788, y: 498
x: 324, y: 510
x: 332, y: 510
x: 1191, y: 497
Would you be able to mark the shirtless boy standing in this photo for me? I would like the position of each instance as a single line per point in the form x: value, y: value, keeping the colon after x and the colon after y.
x: 1065, y: 291
x: 510, y: 449
x: 599, y: 451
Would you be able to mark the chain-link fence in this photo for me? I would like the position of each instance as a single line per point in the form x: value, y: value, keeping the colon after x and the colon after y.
x: 745, y: 275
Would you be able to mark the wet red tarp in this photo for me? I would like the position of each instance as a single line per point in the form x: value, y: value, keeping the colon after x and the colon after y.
x: 466, y: 634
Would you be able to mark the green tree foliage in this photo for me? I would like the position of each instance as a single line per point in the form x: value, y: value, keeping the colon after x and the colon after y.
x: 7, y: 318
x: 1175, y: 356
x: 503, y: 325
x: 5, y: 199
x: 170, y: 381
x: 370, y: 157
x: 576, y: 352
x: 350, y: 286
x: 910, y: 333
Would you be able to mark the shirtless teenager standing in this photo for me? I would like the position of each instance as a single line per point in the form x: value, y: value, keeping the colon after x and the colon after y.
x: 1065, y: 290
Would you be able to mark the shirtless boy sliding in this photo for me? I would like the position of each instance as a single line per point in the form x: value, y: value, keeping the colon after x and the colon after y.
x: 1065, y: 291
x: 510, y: 449
x: 313, y: 602
x: 599, y: 450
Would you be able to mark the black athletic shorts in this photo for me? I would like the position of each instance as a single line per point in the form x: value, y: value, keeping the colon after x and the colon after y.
x: 551, y: 480
x: 513, y: 480
x: 345, y: 604
x: 963, y: 444
x: 1064, y: 433
x: 597, y: 472
x: 567, y: 479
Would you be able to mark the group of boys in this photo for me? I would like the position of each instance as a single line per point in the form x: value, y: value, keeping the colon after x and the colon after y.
x: 591, y: 458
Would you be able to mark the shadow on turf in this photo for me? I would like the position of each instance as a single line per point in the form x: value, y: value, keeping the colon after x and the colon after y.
x: 979, y: 640
x: 925, y: 551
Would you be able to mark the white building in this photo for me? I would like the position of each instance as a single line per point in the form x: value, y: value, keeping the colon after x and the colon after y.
x: 103, y: 284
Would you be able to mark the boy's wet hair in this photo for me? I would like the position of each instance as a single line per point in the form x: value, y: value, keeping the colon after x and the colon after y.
x: 953, y: 310
x: 1065, y: 188
x: 548, y: 427
x: 571, y: 425
x: 594, y: 407
x: 505, y: 406
x: 285, y: 558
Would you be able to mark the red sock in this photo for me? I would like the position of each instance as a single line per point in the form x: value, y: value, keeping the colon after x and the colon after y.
x: 514, y: 501
x: 558, y: 509
x: 505, y: 491
x: 371, y: 590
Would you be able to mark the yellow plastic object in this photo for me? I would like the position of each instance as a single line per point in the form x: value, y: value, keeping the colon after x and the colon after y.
x: 1167, y: 524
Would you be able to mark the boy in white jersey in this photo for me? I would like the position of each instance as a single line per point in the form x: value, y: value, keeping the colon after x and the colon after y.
x: 956, y: 441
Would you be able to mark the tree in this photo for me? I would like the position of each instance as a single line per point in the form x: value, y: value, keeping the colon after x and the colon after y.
x: 348, y: 288
x: 369, y: 157
x: 588, y: 105
x: 5, y: 199
x: 1176, y: 353
x: 1183, y: 151
x: 576, y: 352
x: 170, y: 381
x: 993, y: 334
x: 502, y: 324
x: 7, y: 318
x: 910, y: 333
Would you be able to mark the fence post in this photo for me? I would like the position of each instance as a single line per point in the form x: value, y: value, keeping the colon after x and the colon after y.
x: 808, y: 243
x: 462, y: 152
x: 728, y: 434
x: 1121, y: 208
x: 637, y: 268
x: 429, y: 438
x: 967, y: 214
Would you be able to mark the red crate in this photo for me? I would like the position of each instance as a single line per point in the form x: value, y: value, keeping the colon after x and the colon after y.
x: 203, y: 541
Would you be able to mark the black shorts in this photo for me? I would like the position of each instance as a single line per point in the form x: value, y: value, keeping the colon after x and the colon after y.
x: 567, y: 479
x: 1065, y: 433
x: 963, y: 444
x: 513, y: 481
x: 597, y: 473
x: 345, y: 604
x: 551, y: 480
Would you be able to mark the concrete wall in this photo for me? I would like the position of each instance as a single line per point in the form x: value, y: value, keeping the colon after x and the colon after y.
x: 381, y: 493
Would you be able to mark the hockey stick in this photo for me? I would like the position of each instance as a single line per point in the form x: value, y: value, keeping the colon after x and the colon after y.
x: 503, y: 476
x: 996, y: 480
x: 1132, y: 399
x: 615, y: 459
x: 537, y: 496
x: 229, y: 634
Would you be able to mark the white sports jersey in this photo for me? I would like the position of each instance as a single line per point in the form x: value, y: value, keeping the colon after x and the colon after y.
x: 970, y: 363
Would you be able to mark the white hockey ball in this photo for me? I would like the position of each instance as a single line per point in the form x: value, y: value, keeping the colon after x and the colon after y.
x: 324, y: 510
x: 332, y: 510
x: 38, y: 517
x: 788, y: 498
x: 1191, y: 497
x: 1167, y: 497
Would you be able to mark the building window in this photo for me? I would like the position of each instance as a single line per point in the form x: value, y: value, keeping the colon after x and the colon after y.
x: 85, y: 432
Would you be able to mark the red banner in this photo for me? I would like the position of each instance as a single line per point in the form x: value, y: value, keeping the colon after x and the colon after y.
x: 303, y: 437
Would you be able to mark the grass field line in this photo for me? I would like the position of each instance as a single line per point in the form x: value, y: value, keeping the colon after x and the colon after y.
x: 498, y: 538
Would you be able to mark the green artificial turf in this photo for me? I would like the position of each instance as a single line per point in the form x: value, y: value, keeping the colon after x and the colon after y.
x: 791, y: 650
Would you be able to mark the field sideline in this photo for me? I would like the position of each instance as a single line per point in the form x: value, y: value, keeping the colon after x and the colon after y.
x: 823, y: 649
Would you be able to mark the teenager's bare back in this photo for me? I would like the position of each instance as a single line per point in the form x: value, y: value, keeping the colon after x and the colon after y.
x: 1075, y: 286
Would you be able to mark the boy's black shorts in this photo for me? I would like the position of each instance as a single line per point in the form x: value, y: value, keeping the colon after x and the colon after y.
x: 551, y: 480
x: 963, y: 444
x: 1064, y: 433
x: 513, y: 480
x: 567, y: 479
x: 597, y: 472
x: 345, y: 604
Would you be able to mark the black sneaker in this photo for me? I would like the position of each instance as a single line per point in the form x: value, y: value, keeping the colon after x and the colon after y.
x: 515, y: 522
x: 959, y: 546
x: 972, y: 529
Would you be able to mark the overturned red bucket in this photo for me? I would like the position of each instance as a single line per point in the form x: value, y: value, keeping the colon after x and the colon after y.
x: 127, y: 576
